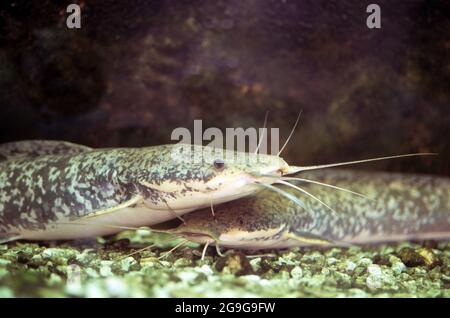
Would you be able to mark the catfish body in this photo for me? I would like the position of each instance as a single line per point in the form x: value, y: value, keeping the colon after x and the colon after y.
x: 400, y: 207
x: 58, y: 190
x: 37, y: 190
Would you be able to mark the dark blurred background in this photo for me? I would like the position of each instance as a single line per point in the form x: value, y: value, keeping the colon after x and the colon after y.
x: 138, y: 69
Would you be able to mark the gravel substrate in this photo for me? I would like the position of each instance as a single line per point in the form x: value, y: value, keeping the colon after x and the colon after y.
x: 102, y: 268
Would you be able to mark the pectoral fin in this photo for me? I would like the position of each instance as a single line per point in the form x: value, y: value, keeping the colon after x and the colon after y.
x: 134, y: 200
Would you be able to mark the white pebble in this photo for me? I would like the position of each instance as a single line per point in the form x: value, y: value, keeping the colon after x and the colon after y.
x: 350, y: 266
x: 398, y: 268
x: 105, y: 271
x: 331, y: 261
x: 297, y: 272
x: 374, y: 270
x: 373, y: 282
x: 187, y: 276
x: 205, y: 269
x: 365, y: 262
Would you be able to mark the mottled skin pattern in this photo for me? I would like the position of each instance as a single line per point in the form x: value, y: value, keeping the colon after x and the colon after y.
x: 40, y: 190
x: 39, y: 148
x: 401, y: 207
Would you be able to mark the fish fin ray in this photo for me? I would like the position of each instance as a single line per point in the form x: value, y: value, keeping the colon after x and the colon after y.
x: 134, y: 200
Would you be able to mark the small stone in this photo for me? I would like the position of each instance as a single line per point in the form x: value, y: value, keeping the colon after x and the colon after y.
x: 182, y: 262
x: 36, y: 261
x: 350, y: 266
x: 236, y: 263
x: 22, y: 258
x: 398, y: 268
x: 105, y: 271
x: 313, y: 257
x: 375, y: 279
x: 87, y: 254
x: 165, y: 263
x: 187, y: 276
x: 316, y: 281
x: 333, y: 252
x: 386, y: 250
x: 418, y: 257
x: 430, y: 259
x: 343, y: 280
x: 52, y: 253
x: 297, y: 272
x: 288, y: 259
x: 256, y: 263
x: 374, y: 270
x: 127, y: 263
x: 331, y: 261
x: 365, y: 262
x: 419, y: 271
x: 382, y: 260
x: 205, y: 269
x: 143, y: 232
x: 149, y: 261
x: 373, y: 282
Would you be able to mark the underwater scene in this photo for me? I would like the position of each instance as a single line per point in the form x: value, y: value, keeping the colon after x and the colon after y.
x: 224, y: 149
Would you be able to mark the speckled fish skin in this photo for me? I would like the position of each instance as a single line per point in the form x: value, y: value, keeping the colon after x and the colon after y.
x: 36, y: 148
x: 404, y: 207
x: 39, y: 191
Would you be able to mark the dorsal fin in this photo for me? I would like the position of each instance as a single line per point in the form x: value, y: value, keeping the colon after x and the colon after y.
x: 36, y: 148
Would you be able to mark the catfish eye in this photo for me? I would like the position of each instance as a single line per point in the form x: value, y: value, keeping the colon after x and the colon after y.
x: 219, y: 164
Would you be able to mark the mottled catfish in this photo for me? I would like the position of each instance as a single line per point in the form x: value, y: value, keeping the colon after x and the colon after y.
x: 59, y: 190
x: 396, y: 207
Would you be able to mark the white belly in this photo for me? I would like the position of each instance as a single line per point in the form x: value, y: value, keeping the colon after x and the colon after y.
x: 105, y: 224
